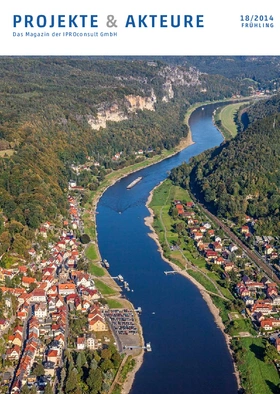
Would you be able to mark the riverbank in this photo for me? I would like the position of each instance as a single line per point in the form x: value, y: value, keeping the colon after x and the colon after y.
x: 207, y: 298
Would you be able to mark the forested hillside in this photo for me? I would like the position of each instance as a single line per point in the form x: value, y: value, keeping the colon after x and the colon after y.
x: 242, y: 176
x: 57, y: 111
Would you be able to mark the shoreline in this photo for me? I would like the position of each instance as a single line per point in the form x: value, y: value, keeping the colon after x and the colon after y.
x: 205, y: 295
x: 139, y: 359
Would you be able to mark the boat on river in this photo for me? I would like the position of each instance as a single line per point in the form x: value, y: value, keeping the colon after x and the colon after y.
x: 133, y: 183
x: 106, y: 264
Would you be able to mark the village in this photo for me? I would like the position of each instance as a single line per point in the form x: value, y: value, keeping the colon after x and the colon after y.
x: 258, y: 295
x: 52, y: 304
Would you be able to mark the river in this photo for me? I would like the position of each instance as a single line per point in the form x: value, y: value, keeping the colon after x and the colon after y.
x: 189, y: 354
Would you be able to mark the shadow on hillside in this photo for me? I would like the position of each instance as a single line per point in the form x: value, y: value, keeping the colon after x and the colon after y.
x: 258, y: 351
x: 272, y: 387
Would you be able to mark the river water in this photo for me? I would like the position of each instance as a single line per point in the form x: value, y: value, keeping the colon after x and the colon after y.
x: 189, y: 354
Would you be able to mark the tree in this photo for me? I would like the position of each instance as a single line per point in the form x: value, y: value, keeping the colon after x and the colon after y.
x: 71, y: 381
x: 106, y: 365
x: 48, y: 389
x: 39, y: 369
x: 116, y: 358
x: 106, y: 354
x: 94, y: 381
x: 25, y: 389
x: 85, y: 239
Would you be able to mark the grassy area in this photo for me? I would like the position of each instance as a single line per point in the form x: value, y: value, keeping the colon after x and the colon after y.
x: 103, y: 288
x: 241, y: 325
x: 91, y: 253
x: 114, y: 303
x: 96, y: 270
x: 202, y: 280
x: 226, y: 116
x: 258, y: 376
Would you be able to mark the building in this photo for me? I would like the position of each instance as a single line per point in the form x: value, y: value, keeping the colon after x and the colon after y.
x: 41, y: 310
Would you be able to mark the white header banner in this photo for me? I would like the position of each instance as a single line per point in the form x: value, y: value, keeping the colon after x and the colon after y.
x: 201, y: 27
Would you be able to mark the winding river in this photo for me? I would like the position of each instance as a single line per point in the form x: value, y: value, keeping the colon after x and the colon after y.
x: 189, y: 354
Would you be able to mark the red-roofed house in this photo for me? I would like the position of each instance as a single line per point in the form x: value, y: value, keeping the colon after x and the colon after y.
x: 81, y: 343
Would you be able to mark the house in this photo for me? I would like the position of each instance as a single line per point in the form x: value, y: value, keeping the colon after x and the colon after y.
x: 43, y: 232
x: 81, y: 343
x: 4, y: 324
x: 89, y: 294
x: 271, y: 292
x: 49, y: 368
x: 276, y: 300
x: 97, y: 324
x: 262, y: 306
x: 211, y: 255
x: 41, y: 310
x: 59, y: 302
x: 22, y: 269
x: 180, y: 209
x: 26, y: 281
x: 197, y: 236
x: 248, y: 300
x: 244, y: 229
x: 66, y: 288
x: 83, y: 279
x: 60, y: 338
x: 13, y: 353
x: 38, y: 295
x: 52, y: 356
x: 217, y: 247
x: 232, y: 248
x: 17, y: 340
x: 228, y: 266
x: 53, y: 291
x: 268, y: 249
x: 219, y: 261
x: 91, y: 343
x: 270, y: 324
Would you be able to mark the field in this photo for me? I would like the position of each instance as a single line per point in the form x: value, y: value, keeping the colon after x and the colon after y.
x: 103, y: 288
x: 226, y: 116
x: 261, y: 378
x: 96, y: 270
x: 91, y: 252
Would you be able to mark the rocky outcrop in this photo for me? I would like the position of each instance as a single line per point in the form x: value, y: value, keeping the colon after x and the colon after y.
x: 138, y: 102
x: 168, y: 90
x: 113, y: 113
x: 176, y: 76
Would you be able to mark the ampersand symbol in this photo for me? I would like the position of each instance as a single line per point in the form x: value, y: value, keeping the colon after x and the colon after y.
x: 111, y: 21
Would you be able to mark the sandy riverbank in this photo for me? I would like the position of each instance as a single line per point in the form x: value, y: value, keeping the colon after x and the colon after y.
x: 212, y: 307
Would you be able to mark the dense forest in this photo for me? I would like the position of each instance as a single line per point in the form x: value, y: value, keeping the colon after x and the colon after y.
x: 46, y: 107
x: 242, y: 176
